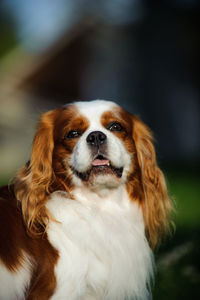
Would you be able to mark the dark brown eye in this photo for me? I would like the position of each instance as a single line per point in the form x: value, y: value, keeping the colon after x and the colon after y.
x: 73, y: 134
x: 115, y: 126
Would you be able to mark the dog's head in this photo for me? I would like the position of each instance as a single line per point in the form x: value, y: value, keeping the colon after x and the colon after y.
x: 99, y: 145
x: 95, y: 145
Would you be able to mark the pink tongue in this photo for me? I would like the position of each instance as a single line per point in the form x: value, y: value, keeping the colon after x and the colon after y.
x: 100, y: 162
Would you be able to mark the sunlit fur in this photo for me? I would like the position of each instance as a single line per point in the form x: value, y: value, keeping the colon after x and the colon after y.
x: 32, y: 185
x: 155, y: 201
x: 58, y: 190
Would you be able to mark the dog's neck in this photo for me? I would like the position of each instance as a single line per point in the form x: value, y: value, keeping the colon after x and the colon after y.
x: 101, y: 195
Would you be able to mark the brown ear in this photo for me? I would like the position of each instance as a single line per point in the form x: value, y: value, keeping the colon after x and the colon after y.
x: 33, y: 181
x: 156, y: 204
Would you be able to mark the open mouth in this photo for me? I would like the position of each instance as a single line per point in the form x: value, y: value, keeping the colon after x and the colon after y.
x: 100, y: 161
x: 100, y: 165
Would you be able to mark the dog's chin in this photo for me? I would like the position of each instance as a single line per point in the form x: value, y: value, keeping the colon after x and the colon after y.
x: 102, y: 176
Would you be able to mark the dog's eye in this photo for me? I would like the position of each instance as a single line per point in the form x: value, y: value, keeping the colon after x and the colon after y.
x: 73, y: 134
x: 115, y: 126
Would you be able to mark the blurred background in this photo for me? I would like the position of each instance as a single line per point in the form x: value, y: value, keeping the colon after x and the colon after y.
x: 144, y: 55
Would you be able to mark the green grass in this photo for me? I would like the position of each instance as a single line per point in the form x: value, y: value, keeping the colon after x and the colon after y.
x: 185, y: 191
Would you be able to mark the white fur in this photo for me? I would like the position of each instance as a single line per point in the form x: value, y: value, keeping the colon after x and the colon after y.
x: 104, y: 254
x: 13, y: 284
x: 94, y: 109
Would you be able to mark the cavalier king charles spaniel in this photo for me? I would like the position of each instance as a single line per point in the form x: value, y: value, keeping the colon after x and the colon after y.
x: 81, y: 218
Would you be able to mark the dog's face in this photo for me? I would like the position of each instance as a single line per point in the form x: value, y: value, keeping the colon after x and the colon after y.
x: 95, y: 144
x: 99, y: 146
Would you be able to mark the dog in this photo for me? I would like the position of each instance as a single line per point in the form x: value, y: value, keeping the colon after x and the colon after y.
x: 82, y: 217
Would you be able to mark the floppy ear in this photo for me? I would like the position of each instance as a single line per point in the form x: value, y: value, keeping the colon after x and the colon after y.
x: 156, y: 203
x: 33, y: 181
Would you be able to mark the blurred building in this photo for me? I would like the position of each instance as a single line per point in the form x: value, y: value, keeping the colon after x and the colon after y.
x: 142, y: 54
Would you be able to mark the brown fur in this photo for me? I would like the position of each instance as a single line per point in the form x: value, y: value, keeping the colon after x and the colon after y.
x: 156, y: 203
x: 15, y: 242
x: 47, y: 171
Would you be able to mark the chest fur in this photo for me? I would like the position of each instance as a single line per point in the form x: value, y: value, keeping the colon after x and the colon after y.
x: 103, y: 250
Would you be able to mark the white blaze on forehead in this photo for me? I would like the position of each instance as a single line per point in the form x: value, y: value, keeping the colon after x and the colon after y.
x: 93, y: 110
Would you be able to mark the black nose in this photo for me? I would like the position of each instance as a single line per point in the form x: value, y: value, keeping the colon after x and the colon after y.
x: 96, y: 138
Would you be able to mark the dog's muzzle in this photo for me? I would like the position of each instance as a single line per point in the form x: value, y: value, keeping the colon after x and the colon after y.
x: 97, y: 143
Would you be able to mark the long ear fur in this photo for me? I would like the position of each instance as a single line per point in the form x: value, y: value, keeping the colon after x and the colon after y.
x: 33, y: 181
x: 156, y: 204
